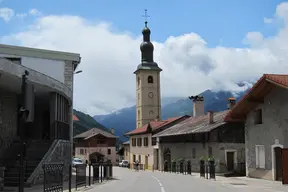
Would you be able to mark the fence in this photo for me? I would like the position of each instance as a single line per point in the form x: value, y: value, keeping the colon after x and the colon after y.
x: 80, y: 175
x: 53, y: 177
x: 207, y: 169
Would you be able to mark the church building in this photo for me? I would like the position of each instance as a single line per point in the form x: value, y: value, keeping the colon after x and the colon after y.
x: 148, y: 108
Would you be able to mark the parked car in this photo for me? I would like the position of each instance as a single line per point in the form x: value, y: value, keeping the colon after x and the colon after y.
x: 124, y: 163
x: 77, y: 161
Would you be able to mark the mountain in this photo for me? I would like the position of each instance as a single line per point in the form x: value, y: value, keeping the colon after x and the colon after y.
x: 84, y: 123
x: 124, y: 120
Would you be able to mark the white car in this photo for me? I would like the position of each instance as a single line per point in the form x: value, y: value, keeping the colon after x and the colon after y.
x: 124, y: 163
x: 77, y: 161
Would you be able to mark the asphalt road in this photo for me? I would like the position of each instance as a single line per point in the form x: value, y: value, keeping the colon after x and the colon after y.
x: 146, y: 181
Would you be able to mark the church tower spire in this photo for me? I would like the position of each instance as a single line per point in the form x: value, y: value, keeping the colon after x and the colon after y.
x: 148, y: 102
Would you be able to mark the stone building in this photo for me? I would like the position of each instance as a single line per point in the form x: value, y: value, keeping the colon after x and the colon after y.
x: 96, y: 144
x: 264, y: 111
x: 143, y: 147
x: 49, y: 97
x: 204, y: 136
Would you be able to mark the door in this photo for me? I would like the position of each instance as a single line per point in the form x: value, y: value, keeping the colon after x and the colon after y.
x: 278, y: 163
x: 146, y: 162
x: 230, y: 160
x: 284, y: 166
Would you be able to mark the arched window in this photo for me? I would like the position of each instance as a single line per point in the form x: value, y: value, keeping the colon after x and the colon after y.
x: 138, y: 81
x: 150, y: 79
x: 138, y: 114
x: 151, y: 113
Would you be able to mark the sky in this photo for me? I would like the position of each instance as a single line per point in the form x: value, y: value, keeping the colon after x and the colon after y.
x: 199, y: 44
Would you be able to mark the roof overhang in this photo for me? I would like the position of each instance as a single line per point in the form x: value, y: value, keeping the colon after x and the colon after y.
x: 41, y: 53
x: 254, y: 97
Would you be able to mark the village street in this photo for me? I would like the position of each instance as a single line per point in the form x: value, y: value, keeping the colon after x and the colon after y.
x: 147, y: 181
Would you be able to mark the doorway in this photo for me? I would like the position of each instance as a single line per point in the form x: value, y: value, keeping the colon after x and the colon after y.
x: 278, y: 163
x: 146, y: 162
x: 230, y: 156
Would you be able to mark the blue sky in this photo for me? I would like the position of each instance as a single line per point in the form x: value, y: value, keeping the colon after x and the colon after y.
x: 216, y: 21
x: 110, y: 53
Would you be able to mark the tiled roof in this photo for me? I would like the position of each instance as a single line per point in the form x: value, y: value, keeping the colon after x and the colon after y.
x: 260, y: 89
x: 94, y: 131
x: 154, y: 125
x: 75, y: 118
x: 197, y: 124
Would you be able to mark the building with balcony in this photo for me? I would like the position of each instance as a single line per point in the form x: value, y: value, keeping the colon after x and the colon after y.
x: 48, y: 130
x: 96, y: 144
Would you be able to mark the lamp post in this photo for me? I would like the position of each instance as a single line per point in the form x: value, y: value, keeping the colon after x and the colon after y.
x: 72, y: 148
x: 23, y: 114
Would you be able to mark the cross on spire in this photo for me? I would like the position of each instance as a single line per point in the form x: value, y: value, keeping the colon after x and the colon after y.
x: 145, y: 16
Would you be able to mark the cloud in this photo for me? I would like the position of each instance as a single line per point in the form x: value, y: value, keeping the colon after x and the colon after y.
x: 6, y: 14
x: 34, y: 12
x: 268, y: 20
x: 189, y: 65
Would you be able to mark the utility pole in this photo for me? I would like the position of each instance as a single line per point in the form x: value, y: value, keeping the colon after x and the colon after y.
x: 23, y: 114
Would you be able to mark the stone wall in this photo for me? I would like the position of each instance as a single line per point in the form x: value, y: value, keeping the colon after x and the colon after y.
x: 8, y: 118
x: 59, y: 152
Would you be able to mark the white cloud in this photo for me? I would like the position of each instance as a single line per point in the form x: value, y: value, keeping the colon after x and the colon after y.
x: 268, y: 20
x: 189, y: 65
x: 34, y: 12
x: 6, y: 14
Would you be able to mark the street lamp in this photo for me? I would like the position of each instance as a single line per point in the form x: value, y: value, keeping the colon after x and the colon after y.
x: 23, y: 113
x: 80, y: 71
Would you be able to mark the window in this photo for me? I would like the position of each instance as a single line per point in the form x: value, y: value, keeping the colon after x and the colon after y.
x: 81, y: 151
x: 151, y: 112
x: 14, y: 60
x: 109, y: 152
x: 139, y: 142
x: 138, y: 81
x: 260, y: 156
x: 150, y: 79
x: 139, y: 158
x: 210, y: 151
x: 138, y: 114
x: 154, y: 141
x: 258, y: 116
x: 146, y: 141
x: 126, y: 152
x: 133, y: 142
x: 193, y: 153
x: 85, y: 151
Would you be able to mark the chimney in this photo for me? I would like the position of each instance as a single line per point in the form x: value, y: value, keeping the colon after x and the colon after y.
x: 112, y: 130
x: 211, y: 117
x: 231, y: 103
x: 198, y: 105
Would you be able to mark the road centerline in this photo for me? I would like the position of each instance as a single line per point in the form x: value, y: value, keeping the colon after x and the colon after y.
x: 160, y: 184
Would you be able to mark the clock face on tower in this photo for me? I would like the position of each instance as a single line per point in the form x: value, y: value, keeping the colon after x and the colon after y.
x: 150, y: 95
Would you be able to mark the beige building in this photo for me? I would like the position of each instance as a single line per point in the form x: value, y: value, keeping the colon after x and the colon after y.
x: 96, y: 144
x: 143, y: 147
x: 126, y: 146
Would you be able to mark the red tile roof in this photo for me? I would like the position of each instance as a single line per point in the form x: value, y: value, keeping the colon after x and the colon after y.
x: 75, y: 118
x: 154, y: 125
x: 257, y: 93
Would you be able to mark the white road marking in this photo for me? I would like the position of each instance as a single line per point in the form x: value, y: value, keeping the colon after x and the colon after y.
x: 160, y: 184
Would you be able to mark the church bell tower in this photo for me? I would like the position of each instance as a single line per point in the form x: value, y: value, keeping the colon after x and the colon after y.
x: 148, y: 96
